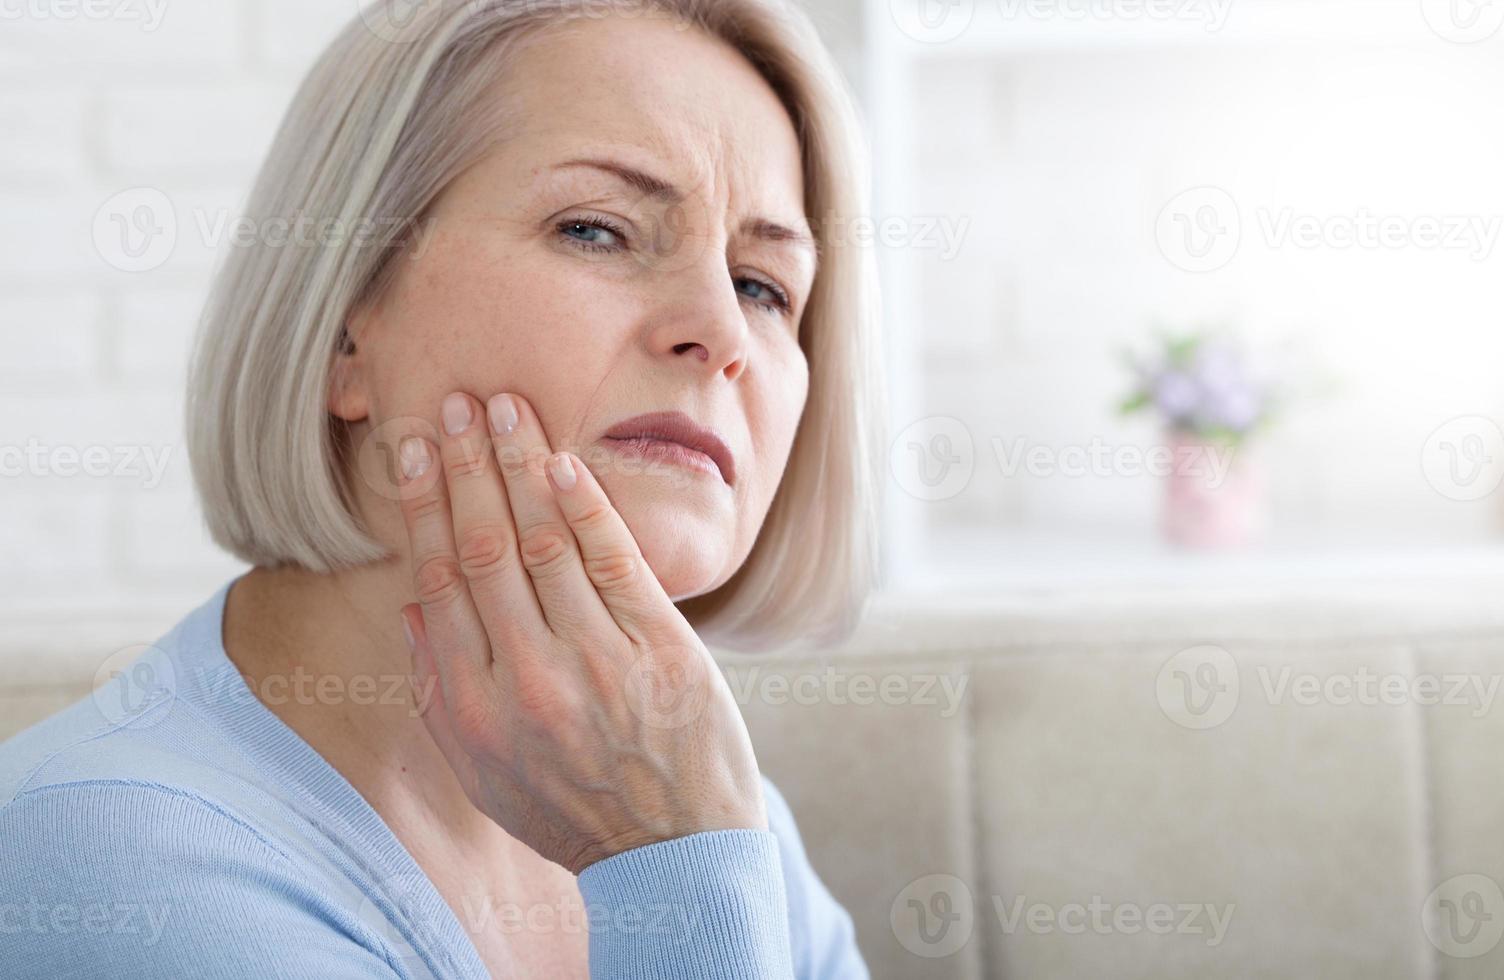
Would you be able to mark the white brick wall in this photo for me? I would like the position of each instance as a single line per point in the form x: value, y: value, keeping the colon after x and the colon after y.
x: 94, y: 358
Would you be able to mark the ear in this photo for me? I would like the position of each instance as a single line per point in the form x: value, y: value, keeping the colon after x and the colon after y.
x: 347, y: 396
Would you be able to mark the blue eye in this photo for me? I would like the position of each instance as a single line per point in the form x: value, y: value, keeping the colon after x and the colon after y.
x: 775, y: 298
x: 597, y: 234
x: 592, y: 234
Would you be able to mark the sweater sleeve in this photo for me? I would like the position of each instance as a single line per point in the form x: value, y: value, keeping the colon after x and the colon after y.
x: 121, y: 879
x: 718, y: 905
x: 709, y: 906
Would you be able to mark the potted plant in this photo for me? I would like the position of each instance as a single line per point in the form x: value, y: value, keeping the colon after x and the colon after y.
x: 1210, y: 404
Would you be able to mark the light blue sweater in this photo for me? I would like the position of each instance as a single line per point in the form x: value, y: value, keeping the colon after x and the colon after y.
x: 171, y: 825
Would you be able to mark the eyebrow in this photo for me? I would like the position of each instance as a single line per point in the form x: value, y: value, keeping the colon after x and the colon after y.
x: 661, y: 190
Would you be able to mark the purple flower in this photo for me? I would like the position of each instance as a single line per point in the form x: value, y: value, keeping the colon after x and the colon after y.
x: 1217, y: 366
x: 1203, y: 386
x: 1234, y: 408
x: 1176, y: 394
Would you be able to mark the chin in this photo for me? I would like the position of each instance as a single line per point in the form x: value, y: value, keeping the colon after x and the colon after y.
x: 686, y: 546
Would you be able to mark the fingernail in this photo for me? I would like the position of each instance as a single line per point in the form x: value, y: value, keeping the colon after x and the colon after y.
x: 457, y: 414
x: 407, y: 631
x: 414, y: 456
x: 503, y: 412
x: 562, y: 471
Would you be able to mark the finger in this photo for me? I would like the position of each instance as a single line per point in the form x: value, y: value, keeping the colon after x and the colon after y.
x: 463, y: 650
x: 485, y: 536
x: 545, y: 543
x: 611, y: 557
x: 429, y: 702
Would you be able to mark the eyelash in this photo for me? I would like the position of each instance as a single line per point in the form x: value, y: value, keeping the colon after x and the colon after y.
x: 781, y: 303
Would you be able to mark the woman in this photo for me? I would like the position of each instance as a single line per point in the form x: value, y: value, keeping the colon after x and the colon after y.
x: 572, y: 376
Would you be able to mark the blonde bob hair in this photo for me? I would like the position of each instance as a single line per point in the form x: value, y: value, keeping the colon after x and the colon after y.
x: 386, y: 119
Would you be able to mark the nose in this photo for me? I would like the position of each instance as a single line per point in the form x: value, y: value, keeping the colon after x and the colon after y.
x: 702, y: 323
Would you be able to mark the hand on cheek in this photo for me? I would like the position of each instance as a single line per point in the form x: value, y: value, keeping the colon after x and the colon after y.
x: 574, y: 702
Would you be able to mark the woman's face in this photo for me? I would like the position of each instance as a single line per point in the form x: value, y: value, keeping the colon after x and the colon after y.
x: 552, y: 271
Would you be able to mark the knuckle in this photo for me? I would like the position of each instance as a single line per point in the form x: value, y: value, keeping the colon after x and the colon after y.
x: 428, y: 507
x: 613, y: 573
x: 597, y: 517
x: 514, y: 461
x: 607, y: 669
x: 545, y: 548
x: 475, y: 725
x: 438, y: 580
x: 461, y: 462
x: 484, y: 549
x: 539, y: 698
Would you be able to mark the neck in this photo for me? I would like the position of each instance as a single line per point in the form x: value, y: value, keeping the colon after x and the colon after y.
x: 326, y: 654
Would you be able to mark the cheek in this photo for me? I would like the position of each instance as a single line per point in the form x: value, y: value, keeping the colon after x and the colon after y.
x: 480, y: 297
x: 774, y: 418
x: 793, y: 389
x: 477, y: 318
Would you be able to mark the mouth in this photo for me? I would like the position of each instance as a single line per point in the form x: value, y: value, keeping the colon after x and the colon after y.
x: 674, y: 437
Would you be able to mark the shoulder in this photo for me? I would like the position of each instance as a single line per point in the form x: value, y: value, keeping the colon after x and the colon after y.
x: 83, y: 744
x: 141, y: 723
x: 112, y: 878
x: 139, y: 843
x: 116, y: 877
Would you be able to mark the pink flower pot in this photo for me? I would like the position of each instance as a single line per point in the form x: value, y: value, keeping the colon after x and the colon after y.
x: 1214, y: 495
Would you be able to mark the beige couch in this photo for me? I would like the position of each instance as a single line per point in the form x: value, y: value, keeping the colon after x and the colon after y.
x: 1231, y: 785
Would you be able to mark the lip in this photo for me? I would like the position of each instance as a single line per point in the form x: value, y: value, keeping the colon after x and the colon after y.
x: 679, y: 429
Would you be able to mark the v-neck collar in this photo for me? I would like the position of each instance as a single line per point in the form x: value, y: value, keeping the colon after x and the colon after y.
x: 212, y: 683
